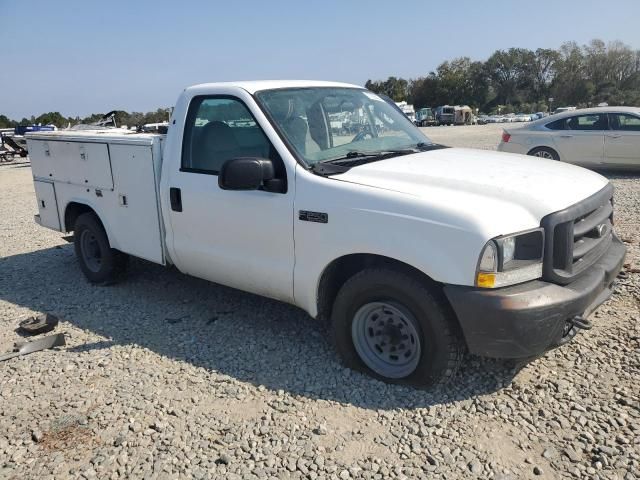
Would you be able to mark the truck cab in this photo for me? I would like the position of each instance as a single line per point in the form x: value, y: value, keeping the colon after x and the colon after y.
x: 323, y: 195
x: 425, y: 117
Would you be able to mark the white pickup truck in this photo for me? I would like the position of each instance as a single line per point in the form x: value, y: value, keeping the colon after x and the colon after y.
x: 413, y: 251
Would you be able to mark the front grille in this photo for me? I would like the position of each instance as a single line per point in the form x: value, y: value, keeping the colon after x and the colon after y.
x: 576, y: 237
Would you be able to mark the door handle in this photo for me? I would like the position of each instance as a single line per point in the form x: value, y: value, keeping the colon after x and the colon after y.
x: 614, y: 136
x: 175, y: 197
x: 566, y: 136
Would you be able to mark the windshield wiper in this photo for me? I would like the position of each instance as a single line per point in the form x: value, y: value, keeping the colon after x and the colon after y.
x: 355, y: 157
x: 327, y: 169
x: 425, y: 147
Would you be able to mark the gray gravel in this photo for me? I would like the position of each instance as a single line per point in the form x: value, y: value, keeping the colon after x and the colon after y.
x: 166, y: 376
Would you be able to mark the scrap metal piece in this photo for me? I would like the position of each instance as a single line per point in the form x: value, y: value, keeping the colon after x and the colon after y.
x: 43, y: 323
x: 44, y: 343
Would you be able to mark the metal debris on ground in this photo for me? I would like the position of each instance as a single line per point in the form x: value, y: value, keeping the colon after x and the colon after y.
x: 25, y: 348
x: 43, y: 323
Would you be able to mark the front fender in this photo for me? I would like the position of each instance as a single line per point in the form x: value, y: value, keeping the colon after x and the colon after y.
x: 444, y: 252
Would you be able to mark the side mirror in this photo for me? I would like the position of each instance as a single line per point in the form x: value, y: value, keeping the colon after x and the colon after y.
x: 245, y: 173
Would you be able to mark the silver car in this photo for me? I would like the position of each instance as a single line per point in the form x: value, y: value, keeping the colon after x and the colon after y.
x: 591, y: 137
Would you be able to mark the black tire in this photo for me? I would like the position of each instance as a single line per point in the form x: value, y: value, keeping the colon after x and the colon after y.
x: 441, y: 345
x: 100, y: 263
x: 544, y: 152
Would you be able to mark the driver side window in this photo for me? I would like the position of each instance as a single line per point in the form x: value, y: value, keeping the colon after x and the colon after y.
x: 219, y: 129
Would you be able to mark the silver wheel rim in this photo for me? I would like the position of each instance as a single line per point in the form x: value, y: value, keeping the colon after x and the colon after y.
x: 543, y: 154
x: 386, y: 337
x: 90, y: 249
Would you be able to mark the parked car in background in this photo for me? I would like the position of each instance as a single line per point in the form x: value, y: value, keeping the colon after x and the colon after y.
x: 425, y: 117
x: 482, y: 119
x: 593, y: 137
x: 523, y: 117
x: 563, y: 109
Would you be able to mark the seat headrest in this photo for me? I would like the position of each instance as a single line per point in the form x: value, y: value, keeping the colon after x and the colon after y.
x: 218, y: 136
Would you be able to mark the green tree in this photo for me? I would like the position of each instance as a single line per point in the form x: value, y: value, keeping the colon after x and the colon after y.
x: 542, y: 70
x: 571, y: 85
x: 52, y: 118
x: 6, y: 122
x: 393, y: 87
x: 510, y: 74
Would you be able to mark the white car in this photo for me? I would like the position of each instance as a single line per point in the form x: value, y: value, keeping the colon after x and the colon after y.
x: 593, y: 137
x: 413, y: 252
x: 565, y: 109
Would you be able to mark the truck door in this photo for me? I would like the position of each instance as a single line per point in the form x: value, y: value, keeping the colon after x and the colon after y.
x: 243, y: 239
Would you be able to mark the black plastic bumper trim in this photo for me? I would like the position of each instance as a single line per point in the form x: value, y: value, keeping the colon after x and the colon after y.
x: 528, y: 319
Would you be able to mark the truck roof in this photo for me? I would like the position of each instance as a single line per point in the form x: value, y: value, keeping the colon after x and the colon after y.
x: 254, y: 86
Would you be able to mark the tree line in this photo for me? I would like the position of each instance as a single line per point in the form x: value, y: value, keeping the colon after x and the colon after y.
x: 56, y: 118
x: 524, y: 80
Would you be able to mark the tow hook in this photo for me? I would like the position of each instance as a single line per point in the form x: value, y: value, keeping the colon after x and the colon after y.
x: 581, y: 323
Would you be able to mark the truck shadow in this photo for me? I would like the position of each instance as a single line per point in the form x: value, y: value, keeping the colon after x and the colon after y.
x: 612, y: 174
x: 226, y: 331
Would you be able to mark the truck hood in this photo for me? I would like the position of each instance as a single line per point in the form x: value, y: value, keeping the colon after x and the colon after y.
x: 477, y: 180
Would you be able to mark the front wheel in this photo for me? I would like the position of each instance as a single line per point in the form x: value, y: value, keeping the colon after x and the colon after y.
x: 100, y: 263
x: 392, y: 326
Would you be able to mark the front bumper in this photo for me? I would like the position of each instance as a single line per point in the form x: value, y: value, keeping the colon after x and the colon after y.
x: 528, y: 319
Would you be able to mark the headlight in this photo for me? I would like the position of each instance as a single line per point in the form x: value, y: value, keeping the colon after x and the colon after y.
x: 511, y: 259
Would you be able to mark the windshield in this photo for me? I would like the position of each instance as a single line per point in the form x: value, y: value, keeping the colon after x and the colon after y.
x: 323, y: 124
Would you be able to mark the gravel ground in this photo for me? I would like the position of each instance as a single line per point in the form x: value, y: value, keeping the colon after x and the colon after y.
x: 167, y: 376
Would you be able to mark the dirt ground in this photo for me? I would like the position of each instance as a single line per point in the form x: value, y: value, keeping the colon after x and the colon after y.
x: 486, y: 137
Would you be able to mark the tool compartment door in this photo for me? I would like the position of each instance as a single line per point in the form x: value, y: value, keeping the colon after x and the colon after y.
x: 47, y: 205
x: 77, y: 163
x: 135, y: 218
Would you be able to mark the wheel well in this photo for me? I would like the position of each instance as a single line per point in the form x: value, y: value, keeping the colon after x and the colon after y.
x: 72, y: 212
x: 543, y: 147
x: 342, y: 269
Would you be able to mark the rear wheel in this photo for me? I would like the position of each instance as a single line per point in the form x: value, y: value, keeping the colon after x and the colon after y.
x: 544, y: 152
x: 392, y: 326
x: 100, y: 263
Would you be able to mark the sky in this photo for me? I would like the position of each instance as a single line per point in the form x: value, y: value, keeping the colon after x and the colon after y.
x: 82, y: 57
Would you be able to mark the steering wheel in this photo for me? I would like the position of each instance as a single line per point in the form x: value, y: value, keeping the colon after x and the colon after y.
x: 363, y: 135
